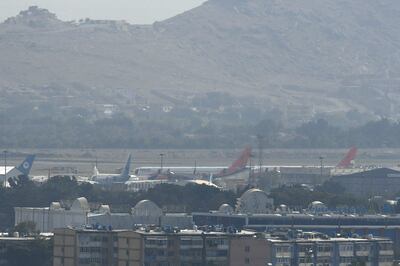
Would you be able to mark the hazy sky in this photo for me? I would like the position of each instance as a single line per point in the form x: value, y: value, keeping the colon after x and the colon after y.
x: 134, y: 11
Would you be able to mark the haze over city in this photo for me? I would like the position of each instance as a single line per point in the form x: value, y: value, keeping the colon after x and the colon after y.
x: 199, y: 133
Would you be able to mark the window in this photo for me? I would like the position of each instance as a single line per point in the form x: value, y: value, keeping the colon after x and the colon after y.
x: 282, y: 260
x: 324, y: 248
x: 306, y: 248
x: 346, y: 247
x: 247, y: 248
x: 247, y: 261
x: 282, y: 249
x: 346, y: 259
x: 305, y: 260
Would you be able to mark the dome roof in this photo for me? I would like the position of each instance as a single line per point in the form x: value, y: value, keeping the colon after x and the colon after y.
x: 55, y: 205
x: 104, y: 209
x: 317, y: 207
x: 226, y: 208
x: 146, y: 208
x: 145, y: 204
x: 80, y: 204
x: 255, y: 201
x: 252, y: 191
x: 314, y: 203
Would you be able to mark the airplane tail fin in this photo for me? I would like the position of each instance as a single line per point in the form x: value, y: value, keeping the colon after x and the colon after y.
x: 126, y: 171
x: 26, y: 165
x: 241, y: 162
x: 347, y: 161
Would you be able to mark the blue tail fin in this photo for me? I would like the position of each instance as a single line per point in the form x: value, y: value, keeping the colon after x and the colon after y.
x: 126, y: 171
x: 26, y: 165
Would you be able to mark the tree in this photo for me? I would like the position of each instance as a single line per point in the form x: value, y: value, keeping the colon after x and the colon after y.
x: 38, y: 252
x: 27, y: 228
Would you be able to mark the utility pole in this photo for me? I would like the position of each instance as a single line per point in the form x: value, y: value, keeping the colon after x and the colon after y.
x: 161, y: 161
x: 250, y: 166
x: 321, y: 160
x: 260, y: 140
x: 5, y: 168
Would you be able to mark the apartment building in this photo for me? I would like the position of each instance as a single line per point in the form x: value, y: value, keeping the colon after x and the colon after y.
x: 309, y: 249
x: 83, y: 247
x: 96, y: 247
x: 155, y: 247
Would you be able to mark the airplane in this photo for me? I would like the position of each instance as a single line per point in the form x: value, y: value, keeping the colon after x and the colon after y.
x: 99, y: 178
x: 12, y: 173
x: 209, y: 182
x: 237, y: 166
x: 348, y: 160
x: 194, y: 172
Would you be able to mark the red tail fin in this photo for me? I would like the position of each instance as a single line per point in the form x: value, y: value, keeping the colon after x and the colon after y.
x: 347, y: 160
x: 239, y: 163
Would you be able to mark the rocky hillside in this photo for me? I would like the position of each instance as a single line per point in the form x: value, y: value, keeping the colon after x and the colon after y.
x: 301, y: 56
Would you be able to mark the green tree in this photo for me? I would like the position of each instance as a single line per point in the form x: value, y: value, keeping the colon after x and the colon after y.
x: 27, y: 228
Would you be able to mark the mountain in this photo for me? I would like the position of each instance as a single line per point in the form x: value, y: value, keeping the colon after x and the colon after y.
x: 307, y: 57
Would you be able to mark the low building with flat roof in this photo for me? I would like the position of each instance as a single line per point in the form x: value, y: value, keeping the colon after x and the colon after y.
x: 375, y: 182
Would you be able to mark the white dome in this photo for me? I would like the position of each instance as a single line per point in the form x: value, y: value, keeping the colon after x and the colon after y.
x: 104, y: 209
x: 80, y: 204
x: 315, y: 203
x: 55, y: 205
x: 255, y: 201
x: 226, y: 208
x: 146, y: 208
x: 317, y: 207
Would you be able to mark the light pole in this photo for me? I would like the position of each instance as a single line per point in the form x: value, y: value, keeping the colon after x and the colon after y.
x: 321, y: 160
x: 161, y: 161
x: 260, y: 140
x: 5, y: 168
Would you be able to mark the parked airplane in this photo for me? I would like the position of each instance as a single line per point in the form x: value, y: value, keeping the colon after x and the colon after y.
x: 194, y: 172
x: 99, y: 178
x: 348, y: 160
x: 12, y: 173
x: 237, y: 166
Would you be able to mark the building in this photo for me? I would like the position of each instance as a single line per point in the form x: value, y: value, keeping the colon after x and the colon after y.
x: 150, y: 247
x: 379, y: 181
x: 154, y: 247
x: 304, y: 175
x: 376, y: 225
x: 78, y: 215
x: 311, y: 249
x: 10, y: 246
x: 46, y: 219
x: 96, y: 247
x: 145, y: 212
